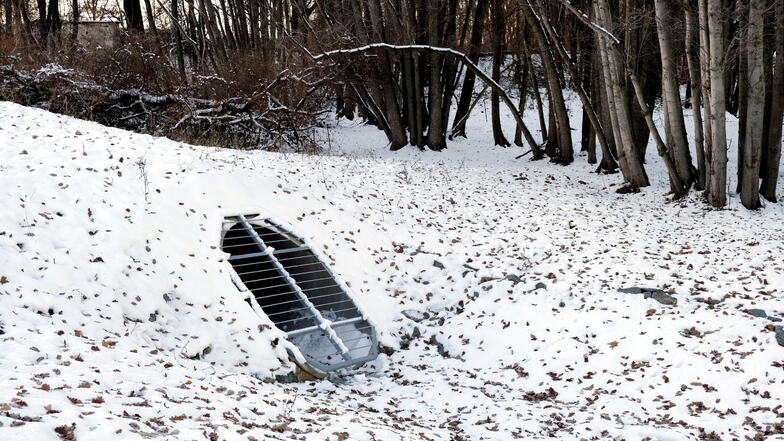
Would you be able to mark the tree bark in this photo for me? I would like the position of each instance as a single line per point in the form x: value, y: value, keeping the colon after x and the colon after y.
x: 749, y: 194
x: 770, y: 173
x: 497, y: 17
x: 693, y: 63
x: 555, y: 93
x: 678, y: 147
x: 467, y: 91
x: 717, y: 188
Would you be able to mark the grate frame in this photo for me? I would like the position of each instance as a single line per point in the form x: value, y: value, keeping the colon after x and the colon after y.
x: 351, y: 339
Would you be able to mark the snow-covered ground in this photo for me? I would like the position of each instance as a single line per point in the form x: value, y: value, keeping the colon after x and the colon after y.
x: 494, y: 280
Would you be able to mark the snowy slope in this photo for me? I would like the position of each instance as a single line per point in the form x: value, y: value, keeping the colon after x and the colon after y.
x: 114, y: 287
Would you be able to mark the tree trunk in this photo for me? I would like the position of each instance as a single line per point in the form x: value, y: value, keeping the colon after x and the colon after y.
x: 150, y: 18
x: 717, y: 188
x: 631, y: 162
x: 467, y: 91
x: 497, y: 17
x: 749, y: 194
x: 770, y: 173
x: 555, y: 93
x: 692, y: 61
x: 133, y: 15
x: 678, y: 147
x: 435, y: 132
x: 707, y: 98
x: 178, y: 39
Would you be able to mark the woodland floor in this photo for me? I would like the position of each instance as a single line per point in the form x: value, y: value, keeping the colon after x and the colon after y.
x: 113, y: 282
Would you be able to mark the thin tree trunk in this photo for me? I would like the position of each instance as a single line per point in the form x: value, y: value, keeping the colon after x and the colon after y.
x: 692, y: 61
x: 538, y: 98
x: 770, y: 173
x: 707, y: 97
x: 596, y: 129
x: 497, y: 17
x: 752, y: 151
x: 555, y: 93
x: 435, y: 132
x: 178, y: 39
x: 631, y: 162
x: 740, y: 101
x: 676, y: 135
x: 467, y: 91
x: 717, y: 189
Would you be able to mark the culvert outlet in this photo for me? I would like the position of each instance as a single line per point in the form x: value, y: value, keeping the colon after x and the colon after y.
x: 300, y: 294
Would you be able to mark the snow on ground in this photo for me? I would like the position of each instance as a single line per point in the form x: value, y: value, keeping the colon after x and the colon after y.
x: 494, y: 283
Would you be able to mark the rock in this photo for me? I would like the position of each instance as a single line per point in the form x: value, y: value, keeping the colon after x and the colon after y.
x: 291, y: 377
x: 417, y: 316
x: 514, y: 278
x: 540, y: 285
x: 384, y: 349
x: 438, y: 265
x: 756, y: 313
x: 760, y: 313
x: 779, y: 330
x: 652, y: 293
x: 416, y: 333
x: 439, y: 347
x: 662, y: 297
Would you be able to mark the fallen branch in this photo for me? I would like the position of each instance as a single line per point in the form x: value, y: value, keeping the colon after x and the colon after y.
x: 413, y: 48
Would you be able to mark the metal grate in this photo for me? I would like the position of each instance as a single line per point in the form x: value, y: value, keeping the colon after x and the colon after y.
x: 299, y: 293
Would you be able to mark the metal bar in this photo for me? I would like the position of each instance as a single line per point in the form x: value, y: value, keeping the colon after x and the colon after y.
x: 310, y: 256
x: 291, y: 250
x: 244, y: 244
x: 311, y: 318
x: 247, y: 256
x: 315, y: 328
x: 281, y: 231
x: 284, y: 259
x: 353, y: 308
x: 285, y: 278
x: 292, y: 292
x: 277, y: 277
x: 291, y: 301
x: 307, y: 307
x: 332, y: 336
x: 276, y: 252
x: 273, y: 269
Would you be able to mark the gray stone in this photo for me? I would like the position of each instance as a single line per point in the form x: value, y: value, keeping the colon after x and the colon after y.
x: 438, y: 264
x: 652, y: 293
x: 662, y: 297
x: 417, y: 316
x: 779, y: 330
x: 540, y: 285
x: 757, y: 313
x: 289, y: 378
x: 514, y: 278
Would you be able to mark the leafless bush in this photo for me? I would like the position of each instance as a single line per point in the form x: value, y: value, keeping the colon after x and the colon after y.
x: 136, y: 87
